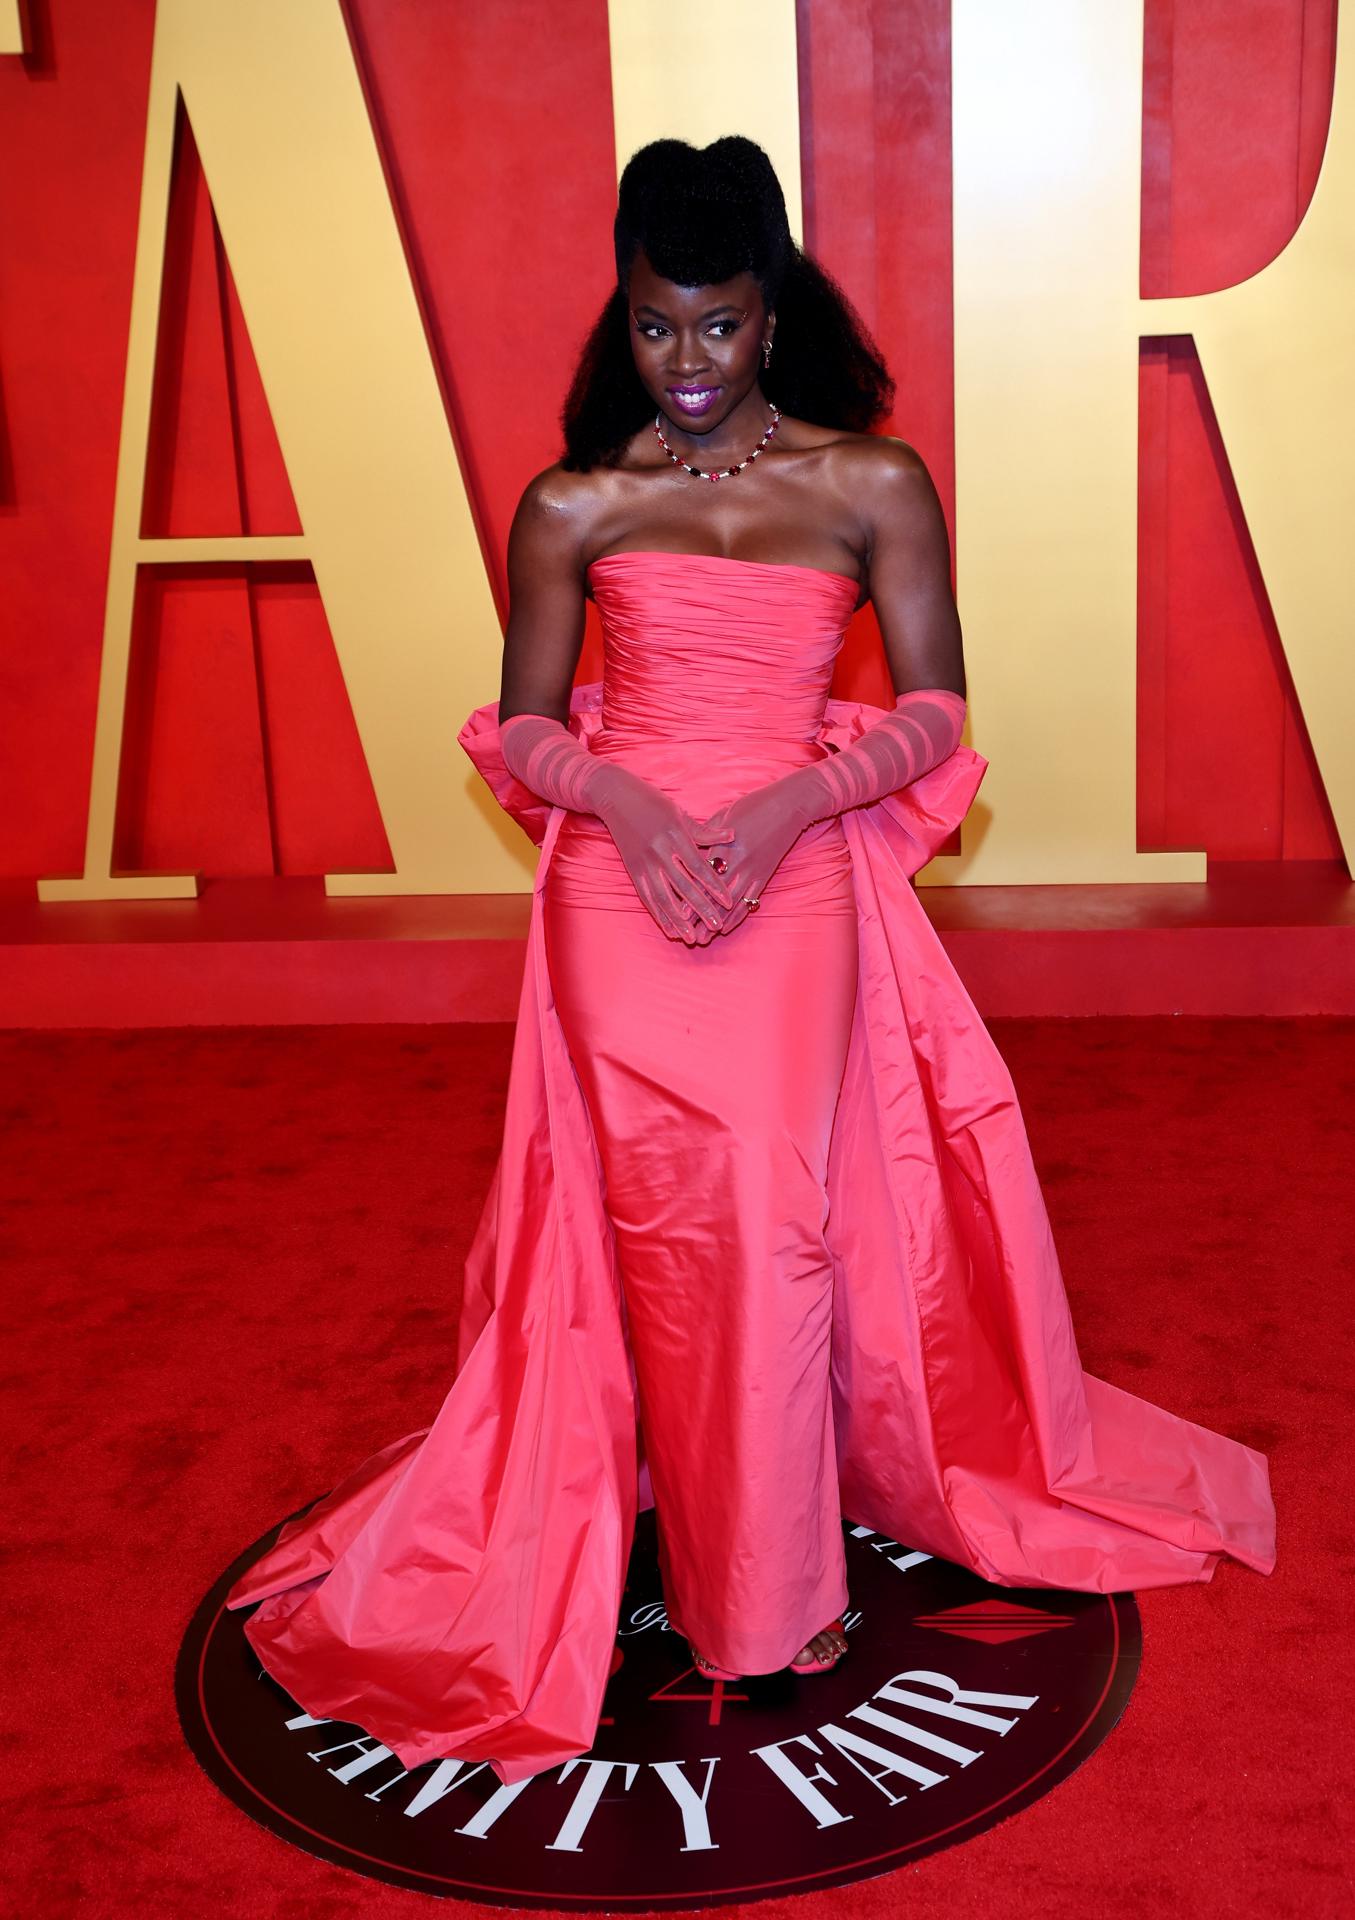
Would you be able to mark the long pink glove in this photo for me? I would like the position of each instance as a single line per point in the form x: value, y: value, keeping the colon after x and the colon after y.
x: 923, y: 730
x: 656, y: 838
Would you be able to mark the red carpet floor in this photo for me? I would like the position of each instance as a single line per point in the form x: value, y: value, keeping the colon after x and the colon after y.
x: 233, y: 1261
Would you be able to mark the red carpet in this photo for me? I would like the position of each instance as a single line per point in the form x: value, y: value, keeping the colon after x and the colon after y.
x: 233, y: 1262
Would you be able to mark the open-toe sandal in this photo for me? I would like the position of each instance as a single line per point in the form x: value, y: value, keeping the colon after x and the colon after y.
x: 826, y: 1663
x: 711, y: 1673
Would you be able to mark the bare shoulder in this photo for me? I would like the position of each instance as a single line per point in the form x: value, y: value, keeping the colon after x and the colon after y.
x: 895, y: 492
x: 556, y: 498
x: 883, y: 460
x: 867, y: 461
x: 555, y: 517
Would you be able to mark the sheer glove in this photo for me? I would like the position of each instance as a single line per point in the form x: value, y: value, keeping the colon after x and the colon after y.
x: 923, y: 730
x: 659, y: 842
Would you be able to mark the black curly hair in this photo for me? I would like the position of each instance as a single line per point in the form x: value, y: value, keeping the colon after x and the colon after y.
x: 702, y: 215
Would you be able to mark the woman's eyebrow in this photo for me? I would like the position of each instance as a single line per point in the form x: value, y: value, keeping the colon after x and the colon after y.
x: 727, y: 307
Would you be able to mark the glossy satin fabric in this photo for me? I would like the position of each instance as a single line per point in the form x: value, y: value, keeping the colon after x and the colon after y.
x: 711, y: 1076
x: 884, y: 1310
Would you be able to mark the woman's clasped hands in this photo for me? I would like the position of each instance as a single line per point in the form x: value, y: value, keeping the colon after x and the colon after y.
x: 697, y: 877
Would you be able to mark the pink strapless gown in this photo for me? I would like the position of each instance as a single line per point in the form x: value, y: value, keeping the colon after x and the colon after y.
x: 764, y: 1244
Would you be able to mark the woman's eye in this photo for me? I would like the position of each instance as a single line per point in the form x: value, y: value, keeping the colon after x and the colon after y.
x: 651, y: 329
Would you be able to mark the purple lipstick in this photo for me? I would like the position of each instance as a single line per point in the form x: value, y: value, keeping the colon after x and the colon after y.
x: 689, y: 402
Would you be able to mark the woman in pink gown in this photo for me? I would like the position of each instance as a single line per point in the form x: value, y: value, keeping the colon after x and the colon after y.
x: 765, y: 1244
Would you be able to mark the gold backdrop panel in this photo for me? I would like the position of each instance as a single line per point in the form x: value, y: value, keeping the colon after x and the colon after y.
x: 1047, y: 137
x: 1047, y: 114
x: 296, y: 182
x: 704, y: 69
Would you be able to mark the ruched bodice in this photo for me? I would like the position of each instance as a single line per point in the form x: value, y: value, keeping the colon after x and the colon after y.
x: 702, y: 646
x: 715, y: 674
x: 715, y: 681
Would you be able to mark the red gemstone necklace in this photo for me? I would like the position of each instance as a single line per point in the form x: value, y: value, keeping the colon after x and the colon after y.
x: 719, y: 473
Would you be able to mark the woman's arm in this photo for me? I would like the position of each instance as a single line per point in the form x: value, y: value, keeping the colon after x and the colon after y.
x: 541, y: 654
x: 546, y: 610
x: 908, y: 557
x: 909, y: 566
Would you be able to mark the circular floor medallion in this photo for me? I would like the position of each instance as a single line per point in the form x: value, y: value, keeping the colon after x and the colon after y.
x: 957, y: 1705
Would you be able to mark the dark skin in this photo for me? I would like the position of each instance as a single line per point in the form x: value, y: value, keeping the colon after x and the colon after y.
x: 862, y: 505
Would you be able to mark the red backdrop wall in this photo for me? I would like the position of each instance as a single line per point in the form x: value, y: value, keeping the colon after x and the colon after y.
x: 242, y: 757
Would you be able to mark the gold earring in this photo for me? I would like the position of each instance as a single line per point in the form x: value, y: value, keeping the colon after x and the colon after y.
x: 766, y: 353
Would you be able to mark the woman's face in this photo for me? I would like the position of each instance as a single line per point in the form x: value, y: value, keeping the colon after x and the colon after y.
x: 698, y: 350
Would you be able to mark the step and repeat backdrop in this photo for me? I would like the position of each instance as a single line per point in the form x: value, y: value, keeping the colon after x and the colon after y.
x: 290, y: 297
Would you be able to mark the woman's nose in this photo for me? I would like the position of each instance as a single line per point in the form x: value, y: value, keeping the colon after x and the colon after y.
x: 689, y: 356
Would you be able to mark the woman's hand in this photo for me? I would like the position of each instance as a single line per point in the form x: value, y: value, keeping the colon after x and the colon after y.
x: 764, y: 825
x: 661, y: 847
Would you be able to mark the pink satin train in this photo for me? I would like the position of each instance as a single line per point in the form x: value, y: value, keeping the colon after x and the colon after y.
x: 765, y: 1244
